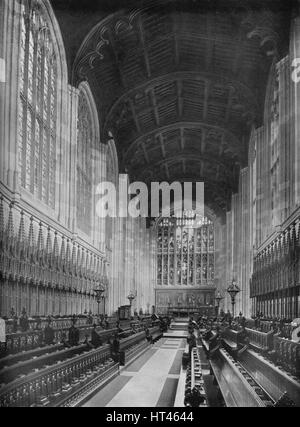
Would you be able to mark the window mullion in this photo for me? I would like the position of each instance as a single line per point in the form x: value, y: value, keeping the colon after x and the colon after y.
x: 40, y: 169
x: 25, y: 98
x: 49, y: 132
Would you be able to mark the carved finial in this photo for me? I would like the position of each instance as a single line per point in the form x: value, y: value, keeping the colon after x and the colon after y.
x: 49, y: 248
x: 21, y: 236
x: 68, y: 256
x: 83, y: 264
x: 63, y: 254
x: 78, y: 262
x: 74, y: 259
x: 40, y: 245
x: 10, y: 224
x: 31, y: 242
x: 56, y: 251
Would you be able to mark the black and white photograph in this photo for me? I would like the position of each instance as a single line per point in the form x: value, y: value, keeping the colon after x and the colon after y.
x: 150, y: 206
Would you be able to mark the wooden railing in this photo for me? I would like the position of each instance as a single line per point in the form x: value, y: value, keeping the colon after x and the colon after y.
x: 50, y: 386
x: 267, y: 326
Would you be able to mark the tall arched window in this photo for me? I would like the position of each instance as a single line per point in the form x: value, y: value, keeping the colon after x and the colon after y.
x: 37, y: 105
x: 275, y: 146
x: 85, y: 144
x: 185, y: 251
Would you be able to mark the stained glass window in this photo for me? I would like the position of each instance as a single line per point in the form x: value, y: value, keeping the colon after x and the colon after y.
x: 85, y: 141
x: 185, y: 251
x: 37, y: 106
x: 275, y: 148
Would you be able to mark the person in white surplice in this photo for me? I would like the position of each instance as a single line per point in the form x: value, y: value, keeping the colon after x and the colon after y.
x: 2, y: 331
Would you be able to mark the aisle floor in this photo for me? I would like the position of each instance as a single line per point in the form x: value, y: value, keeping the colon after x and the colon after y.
x: 150, y: 381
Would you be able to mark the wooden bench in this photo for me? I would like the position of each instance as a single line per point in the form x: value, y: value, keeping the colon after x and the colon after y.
x: 131, y: 347
x: 12, y: 372
x: 230, y: 340
x: 63, y: 384
x: 260, y: 341
x: 26, y: 355
x: 155, y: 333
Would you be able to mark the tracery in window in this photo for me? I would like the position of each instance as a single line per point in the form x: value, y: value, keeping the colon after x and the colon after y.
x: 275, y: 149
x: 86, y: 136
x: 185, y: 251
x: 37, y: 106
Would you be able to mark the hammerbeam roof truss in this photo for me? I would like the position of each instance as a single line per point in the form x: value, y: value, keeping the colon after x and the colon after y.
x: 181, y: 91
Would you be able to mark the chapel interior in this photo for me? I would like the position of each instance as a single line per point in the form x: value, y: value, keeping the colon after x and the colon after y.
x: 175, y: 310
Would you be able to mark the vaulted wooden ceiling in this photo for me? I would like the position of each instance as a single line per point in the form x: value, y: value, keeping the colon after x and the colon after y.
x: 181, y: 87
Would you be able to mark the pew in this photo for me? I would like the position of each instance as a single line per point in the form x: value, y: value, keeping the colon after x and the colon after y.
x: 230, y: 340
x: 287, y: 354
x: 260, y: 341
x: 26, y: 341
x: 238, y: 388
x: 132, y: 347
x: 156, y: 333
x: 26, y: 355
x: 271, y: 377
x: 63, y: 384
x: 12, y: 372
x: 57, y: 323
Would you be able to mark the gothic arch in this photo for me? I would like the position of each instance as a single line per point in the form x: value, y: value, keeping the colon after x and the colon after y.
x: 88, y: 155
x: 43, y: 180
x: 112, y: 158
x: 208, y: 212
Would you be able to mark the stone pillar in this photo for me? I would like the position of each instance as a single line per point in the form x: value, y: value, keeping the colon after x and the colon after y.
x: 69, y: 158
x: 9, y: 89
x: 286, y: 141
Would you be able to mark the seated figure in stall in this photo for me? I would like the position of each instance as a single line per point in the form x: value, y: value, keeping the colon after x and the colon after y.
x: 87, y: 342
x: 64, y: 340
x: 242, y: 320
x: 24, y: 321
x: 15, y: 324
x: 96, y: 339
x: 148, y: 336
x: 73, y: 335
x: 115, y: 348
x: 49, y: 334
x: 90, y: 318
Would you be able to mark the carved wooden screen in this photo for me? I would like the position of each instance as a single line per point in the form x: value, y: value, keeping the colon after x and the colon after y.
x: 185, y: 252
x: 37, y: 106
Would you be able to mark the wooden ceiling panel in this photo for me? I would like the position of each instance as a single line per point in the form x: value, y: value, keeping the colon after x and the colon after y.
x: 181, y: 87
